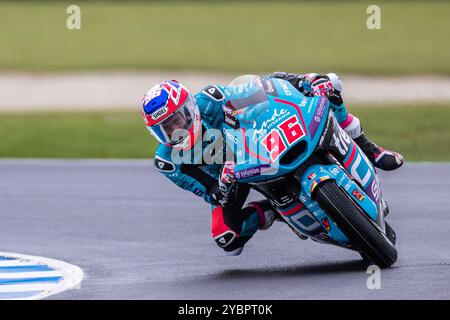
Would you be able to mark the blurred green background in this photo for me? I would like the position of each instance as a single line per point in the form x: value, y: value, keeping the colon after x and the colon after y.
x: 419, y: 134
x: 221, y: 36
x: 255, y: 36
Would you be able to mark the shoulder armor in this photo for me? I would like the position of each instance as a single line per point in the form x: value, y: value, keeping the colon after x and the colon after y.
x: 213, y: 92
x: 164, y: 165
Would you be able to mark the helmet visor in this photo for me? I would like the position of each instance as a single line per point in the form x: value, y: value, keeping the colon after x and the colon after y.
x: 175, y: 129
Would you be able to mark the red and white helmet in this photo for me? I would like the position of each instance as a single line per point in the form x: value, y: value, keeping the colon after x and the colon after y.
x: 171, y: 115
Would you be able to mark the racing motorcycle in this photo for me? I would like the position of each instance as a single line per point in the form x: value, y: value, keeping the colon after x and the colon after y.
x: 291, y: 149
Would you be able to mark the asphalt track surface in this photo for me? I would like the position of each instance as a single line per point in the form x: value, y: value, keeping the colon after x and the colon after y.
x: 136, y: 236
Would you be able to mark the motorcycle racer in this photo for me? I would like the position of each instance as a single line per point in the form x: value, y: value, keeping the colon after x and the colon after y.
x: 177, y: 119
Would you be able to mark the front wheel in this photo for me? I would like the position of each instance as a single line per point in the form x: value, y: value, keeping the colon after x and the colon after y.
x: 356, y: 226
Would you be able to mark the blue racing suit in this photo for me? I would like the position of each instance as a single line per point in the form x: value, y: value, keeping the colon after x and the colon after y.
x: 232, y: 226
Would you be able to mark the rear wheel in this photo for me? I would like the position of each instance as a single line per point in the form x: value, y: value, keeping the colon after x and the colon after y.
x: 355, y: 224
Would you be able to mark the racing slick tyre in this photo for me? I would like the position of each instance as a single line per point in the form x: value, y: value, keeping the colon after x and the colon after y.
x: 356, y: 226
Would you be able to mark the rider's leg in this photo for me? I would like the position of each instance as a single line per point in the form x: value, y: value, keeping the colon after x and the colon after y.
x: 232, y: 228
x: 380, y: 157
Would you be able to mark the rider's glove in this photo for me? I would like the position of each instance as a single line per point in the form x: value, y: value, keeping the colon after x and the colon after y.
x: 324, y: 87
x: 335, y: 97
x: 223, y: 193
x: 321, y: 87
x: 227, y: 176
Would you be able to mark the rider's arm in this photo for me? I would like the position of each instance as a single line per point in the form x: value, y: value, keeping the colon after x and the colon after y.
x: 187, y: 176
x: 191, y: 177
x: 305, y: 84
x: 301, y: 82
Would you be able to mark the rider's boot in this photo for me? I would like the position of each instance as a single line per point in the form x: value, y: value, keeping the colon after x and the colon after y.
x: 381, y: 158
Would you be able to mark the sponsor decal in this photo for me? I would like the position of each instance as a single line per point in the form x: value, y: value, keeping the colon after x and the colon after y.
x: 321, y: 108
x: 313, y: 186
x: 341, y: 141
x: 258, y: 81
x: 358, y: 195
x: 250, y: 172
x: 231, y: 121
x: 228, y: 108
x: 159, y: 113
x: 303, y: 104
x: 356, y: 162
x: 312, y: 176
x: 198, y: 192
x: 269, y: 88
x: 373, y: 191
x: 277, y: 116
x: 285, y: 88
x: 316, y: 182
x: 231, y: 136
x: 326, y: 224
x: 323, y: 236
x: 375, y: 188
x: 318, y: 115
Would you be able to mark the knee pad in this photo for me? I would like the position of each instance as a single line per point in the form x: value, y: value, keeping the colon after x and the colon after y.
x: 352, y: 126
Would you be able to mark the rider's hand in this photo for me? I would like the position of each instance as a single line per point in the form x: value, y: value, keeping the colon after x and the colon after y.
x: 335, y: 97
x: 227, y: 175
x: 223, y: 193
x: 323, y: 87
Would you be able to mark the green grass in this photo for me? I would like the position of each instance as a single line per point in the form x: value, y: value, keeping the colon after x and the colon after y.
x: 419, y: 133
x: 227, y: 36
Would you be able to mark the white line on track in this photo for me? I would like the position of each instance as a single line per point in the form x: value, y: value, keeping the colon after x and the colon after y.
x: 35, y: 282
x: 15, y: 262
x: 28, y: 287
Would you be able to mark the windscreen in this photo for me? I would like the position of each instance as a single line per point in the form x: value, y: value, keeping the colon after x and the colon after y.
x: 247, y: 97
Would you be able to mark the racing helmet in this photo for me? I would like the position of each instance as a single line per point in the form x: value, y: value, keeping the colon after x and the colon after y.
x: 171, y: 114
